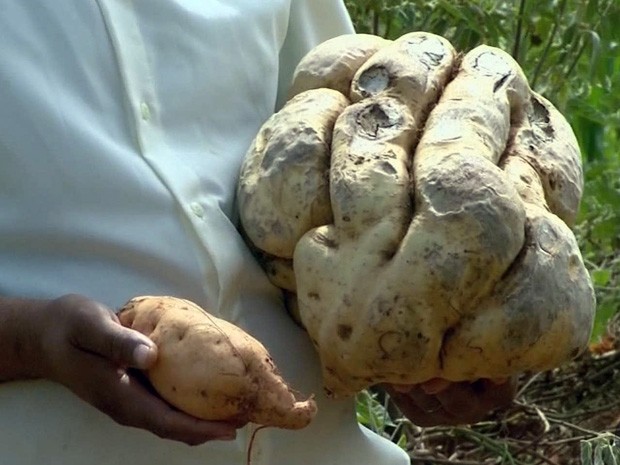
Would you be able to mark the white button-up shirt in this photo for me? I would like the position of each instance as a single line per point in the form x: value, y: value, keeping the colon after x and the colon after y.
x: 122, y: 127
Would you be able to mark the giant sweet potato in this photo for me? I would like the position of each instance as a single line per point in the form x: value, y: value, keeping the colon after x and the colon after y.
x: 416, y: 206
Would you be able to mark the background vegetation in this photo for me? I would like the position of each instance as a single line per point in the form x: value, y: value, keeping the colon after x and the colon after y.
x: 570, y: 51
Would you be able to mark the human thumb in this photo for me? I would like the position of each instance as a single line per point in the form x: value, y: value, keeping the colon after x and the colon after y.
x: 143, y: 354
x: 123, y: 346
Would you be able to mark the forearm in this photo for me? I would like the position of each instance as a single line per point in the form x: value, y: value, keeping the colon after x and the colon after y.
x: 20, y: 338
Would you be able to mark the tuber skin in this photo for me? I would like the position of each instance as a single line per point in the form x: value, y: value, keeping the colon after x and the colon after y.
x: 290, y: 156
x: 333, y: 63
x: 212, y: 369
x: 448, y: 252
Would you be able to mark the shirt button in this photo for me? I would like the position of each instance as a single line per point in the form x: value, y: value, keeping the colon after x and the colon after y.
x: 145, y: 111
x: 197, y: 209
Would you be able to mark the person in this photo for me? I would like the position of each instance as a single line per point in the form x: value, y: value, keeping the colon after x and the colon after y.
x: 123, y: 124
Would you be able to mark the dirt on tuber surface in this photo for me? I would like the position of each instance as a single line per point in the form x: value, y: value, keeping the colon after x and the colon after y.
x: 212, y: 369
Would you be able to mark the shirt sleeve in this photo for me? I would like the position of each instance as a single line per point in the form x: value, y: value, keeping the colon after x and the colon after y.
x: 310, y: 23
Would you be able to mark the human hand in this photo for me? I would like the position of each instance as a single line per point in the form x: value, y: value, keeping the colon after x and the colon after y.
x: 440, y: 402
x: 86, y: 349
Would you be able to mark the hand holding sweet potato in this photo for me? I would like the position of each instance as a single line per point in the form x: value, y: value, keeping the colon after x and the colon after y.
x: 212, y: 369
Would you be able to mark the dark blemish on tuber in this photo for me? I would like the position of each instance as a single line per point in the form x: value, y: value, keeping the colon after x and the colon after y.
x: 269, y: 362
x: 384, y: 308
x: 387, y: 167
x: 203, y: 393
x: 388, y: 255
x: 447, y: 335
x: 433, y: 253
x: 344, y: 332
x: 540, y: 118
x: 372, y: 119
x: 574, y: 266
x: 277, y: 228
x: 326, y: 241
x: 478, y: 349
x: 431, y: 59
x: 552, y: 182
x: 540, y: 113
x: 314, y: 295
x: 388, y: 334
x: 498, y: 85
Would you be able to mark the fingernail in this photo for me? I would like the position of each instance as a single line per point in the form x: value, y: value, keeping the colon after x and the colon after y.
x: 142, y: 356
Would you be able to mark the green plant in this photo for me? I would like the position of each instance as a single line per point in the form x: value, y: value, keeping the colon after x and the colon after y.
x: 598, y: 229
x: 602, y: 450
x: 373, y: 411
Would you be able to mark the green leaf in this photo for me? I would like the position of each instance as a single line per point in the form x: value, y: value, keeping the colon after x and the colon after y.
x: 608, y: 455
x: 371, y: 413
x: 595, y: 41
x: 604, y: 312
x: 601, y: 277
x: 402, y: 442
x: 586, y: 453
x: 598, y: 455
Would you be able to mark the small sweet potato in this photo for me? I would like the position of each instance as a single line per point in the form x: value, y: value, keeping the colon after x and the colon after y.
x: 211, y: 368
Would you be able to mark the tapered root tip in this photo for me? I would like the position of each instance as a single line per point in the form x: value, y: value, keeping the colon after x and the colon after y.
x: 296, y: 415
x: 302, y: 413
